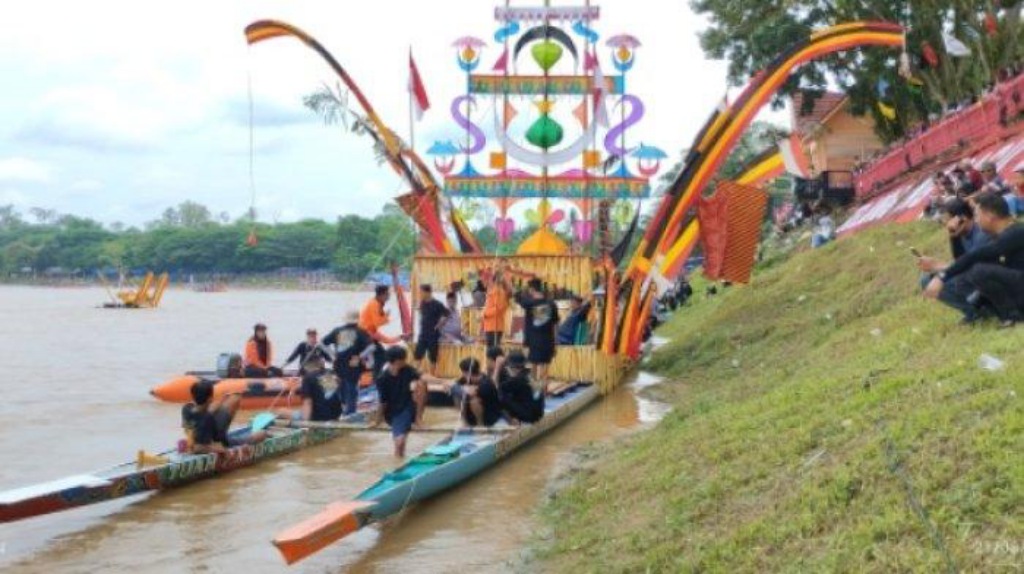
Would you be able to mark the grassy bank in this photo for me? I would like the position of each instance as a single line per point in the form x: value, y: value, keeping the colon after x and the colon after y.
x: 825, y: 419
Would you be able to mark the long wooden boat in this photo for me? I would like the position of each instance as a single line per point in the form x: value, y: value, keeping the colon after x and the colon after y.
x: 448, y: 463
x: 163, y: 471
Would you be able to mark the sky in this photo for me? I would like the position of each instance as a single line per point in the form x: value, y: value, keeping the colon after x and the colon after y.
x: 117, y: 110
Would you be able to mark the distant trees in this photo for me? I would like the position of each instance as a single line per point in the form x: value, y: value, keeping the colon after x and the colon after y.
x: 189, y: 239
x: 749, y: 34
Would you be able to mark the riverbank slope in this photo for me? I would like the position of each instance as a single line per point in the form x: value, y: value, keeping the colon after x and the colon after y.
x: 825, y: 419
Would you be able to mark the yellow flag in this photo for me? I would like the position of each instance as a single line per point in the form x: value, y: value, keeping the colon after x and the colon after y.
x: 888, y: 112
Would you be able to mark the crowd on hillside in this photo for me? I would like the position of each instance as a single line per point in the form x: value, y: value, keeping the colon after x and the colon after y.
x: 978, y: 211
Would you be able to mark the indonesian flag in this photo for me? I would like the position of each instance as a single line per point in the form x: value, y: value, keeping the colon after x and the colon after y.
x: 420, y: 101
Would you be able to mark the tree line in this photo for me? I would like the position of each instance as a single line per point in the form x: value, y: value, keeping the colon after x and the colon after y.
x: 189, y: 239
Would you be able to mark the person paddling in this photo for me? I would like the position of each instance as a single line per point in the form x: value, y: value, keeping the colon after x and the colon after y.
x: 207, y: 422
x: 519, y: 402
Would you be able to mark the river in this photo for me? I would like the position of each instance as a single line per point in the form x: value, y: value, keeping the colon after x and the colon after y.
x: 75, y: 399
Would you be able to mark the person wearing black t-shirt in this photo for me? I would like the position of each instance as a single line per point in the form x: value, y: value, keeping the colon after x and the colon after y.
x: 993, y: 274
x: 312, y: 357
x: 540, y: 326
x: 476, y: 395
x: 518, y: 400
x: 432, y: 314
x: 207, y: 422
x: 353, y: 347
x: 400, y: 406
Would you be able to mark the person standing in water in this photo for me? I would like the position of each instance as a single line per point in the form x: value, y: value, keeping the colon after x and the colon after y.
x: 403, y: 398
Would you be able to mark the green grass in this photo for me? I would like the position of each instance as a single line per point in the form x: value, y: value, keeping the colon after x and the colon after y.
x: 826, y: 419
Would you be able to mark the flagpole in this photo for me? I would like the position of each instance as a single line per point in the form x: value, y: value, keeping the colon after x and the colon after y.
x: 412, y: 118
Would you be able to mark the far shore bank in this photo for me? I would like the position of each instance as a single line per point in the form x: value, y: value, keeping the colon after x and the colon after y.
x: 253, y: 284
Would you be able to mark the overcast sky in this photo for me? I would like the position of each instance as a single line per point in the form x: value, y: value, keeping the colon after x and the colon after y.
x: 116, y: 110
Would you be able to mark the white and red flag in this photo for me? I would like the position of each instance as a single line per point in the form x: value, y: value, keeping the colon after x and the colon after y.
x: 420, y: 102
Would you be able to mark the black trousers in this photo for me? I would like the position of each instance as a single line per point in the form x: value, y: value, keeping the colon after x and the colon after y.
x: 999, y: 288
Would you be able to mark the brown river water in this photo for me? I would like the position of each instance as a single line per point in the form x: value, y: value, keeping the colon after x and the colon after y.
x: 74, y: 398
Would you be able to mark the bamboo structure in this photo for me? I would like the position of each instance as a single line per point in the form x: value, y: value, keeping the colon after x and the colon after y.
x: 572, y: 272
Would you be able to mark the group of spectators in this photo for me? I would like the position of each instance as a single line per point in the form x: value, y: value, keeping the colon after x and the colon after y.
x: 964, y: 181
x: 978, y: 210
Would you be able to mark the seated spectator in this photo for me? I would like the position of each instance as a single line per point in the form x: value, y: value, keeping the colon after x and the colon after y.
x: 941, y: 192
x: 965, y: 235
x: 1018, y: 190
x: 994, y: 183
x: 962, y: 185
x: 992, y: 275
x: 824, y: 228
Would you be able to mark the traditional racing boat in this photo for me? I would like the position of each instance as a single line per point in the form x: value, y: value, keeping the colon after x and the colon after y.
x: 444, y: 465
x: 163, y: 471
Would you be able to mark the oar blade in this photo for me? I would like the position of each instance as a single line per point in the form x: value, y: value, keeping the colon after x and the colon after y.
x: 262, y: 421
x: 317, y: 532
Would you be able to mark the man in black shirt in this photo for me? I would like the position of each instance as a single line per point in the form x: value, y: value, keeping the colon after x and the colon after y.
x: 540, y: 325
x: 207, y: 422
x: 518, y: 400
x: 432, y: 314
x: 400, y: 406
x: 476, y: 395
x: 993, y: 273
x: 352, y: 348
x: 313, y: 358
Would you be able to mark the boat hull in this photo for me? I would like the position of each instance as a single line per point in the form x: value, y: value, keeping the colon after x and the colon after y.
x: 478, y: 451
x: 128, y: 480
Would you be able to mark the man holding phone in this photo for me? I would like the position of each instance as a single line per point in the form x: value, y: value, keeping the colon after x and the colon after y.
x: 965, y: 235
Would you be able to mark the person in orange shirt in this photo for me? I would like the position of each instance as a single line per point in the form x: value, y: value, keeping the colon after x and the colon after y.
x: 495, y: 309
x: 372, y: 318
x: 259, y: 355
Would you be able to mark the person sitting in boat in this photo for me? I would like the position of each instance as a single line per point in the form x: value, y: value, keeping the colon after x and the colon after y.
x: 259, y: 355
x: 353, y: 349
x: 476, y: 395
x: 433, y: 314
x: 207, y: 422
x: 451, y: 327
x: 403, y: 397
x: 312, y: 356
x: 520, y: 402
x: 572, y: 331
x: 372, y: 319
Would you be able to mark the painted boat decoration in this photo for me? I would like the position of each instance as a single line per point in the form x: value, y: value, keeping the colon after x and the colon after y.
x: 166, y: 470
x: 260, y: 394
x: 444, y: 465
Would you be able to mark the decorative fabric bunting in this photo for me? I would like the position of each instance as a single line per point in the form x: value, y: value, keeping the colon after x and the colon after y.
x: 793, y: 157
x: 929, y: 55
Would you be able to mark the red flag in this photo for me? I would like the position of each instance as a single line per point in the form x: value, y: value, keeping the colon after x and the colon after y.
x: 929, y: 55
x: 991, y: 24
x: 416, y: 88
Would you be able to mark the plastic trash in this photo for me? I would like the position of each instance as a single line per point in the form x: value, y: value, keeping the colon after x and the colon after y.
x: 990, y: 363
x: 876, y: 332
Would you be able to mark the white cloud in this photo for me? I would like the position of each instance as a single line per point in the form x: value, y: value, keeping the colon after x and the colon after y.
x: 22, y: 169
x: 13, y: 197
x: 86, y: 185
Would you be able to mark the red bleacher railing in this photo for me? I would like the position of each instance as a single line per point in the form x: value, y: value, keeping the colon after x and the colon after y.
x: 974, y: 126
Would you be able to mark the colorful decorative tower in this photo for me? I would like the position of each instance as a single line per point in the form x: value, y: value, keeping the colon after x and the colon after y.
x: 560, y: 125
